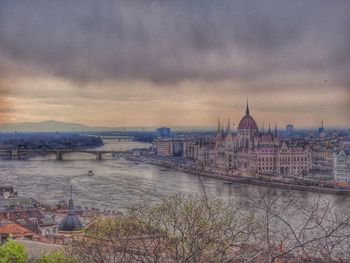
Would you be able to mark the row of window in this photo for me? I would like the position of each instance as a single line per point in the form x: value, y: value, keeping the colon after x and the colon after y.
x: 300, y: 168
x: 342, y: 170
x: 343, y: 179
x: 283, y: 159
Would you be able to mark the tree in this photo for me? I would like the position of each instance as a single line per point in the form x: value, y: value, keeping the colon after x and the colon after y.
x: 180, y: 229
x: 13, y: 252
x: 268, y: 227
x: 56, y: 256
x: 292, y: 228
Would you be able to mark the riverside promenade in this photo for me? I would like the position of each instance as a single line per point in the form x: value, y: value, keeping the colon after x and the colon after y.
x: 300, y: 185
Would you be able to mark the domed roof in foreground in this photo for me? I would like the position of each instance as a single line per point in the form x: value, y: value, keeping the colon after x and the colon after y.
x: 70, y: 223
x: 247, y: 122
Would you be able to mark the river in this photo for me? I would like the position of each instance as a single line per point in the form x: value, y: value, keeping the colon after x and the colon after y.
x: 118, y: 184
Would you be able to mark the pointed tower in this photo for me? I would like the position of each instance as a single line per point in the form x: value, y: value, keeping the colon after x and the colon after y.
x: 218, y: 134
x: 229, y: 137
x: 275, y: 129
x: 70, y: 222
x: 247, y: 109
x: 70, y: 202
x: 269, y: 128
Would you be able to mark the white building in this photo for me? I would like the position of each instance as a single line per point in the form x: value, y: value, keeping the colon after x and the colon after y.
x: 341, y: 166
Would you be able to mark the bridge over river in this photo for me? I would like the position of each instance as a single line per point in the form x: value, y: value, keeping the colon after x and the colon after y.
x: 112, y: 137
x: 17, y: 154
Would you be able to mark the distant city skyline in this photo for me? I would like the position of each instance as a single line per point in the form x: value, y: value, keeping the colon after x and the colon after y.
x: 175, y: 63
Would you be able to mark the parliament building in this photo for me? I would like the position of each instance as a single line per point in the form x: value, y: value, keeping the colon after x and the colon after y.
x: 257, y: 152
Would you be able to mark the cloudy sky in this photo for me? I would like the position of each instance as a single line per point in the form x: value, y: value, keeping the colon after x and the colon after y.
x: 175, y: 62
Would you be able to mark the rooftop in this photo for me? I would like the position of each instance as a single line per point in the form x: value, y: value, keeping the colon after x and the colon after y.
x: 15, y: 229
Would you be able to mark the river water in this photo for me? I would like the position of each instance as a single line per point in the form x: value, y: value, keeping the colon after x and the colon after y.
x: 118, y: 184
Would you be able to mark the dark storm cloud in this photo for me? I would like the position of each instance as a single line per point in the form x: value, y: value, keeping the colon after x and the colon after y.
x: 168, y: 41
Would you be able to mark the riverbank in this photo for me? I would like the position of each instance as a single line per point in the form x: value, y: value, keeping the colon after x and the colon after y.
x: 244, y: 179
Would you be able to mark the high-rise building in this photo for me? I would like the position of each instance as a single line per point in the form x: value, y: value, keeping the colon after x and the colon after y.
x: 321, y: 131
x: 169, y: 146
x: 164, y: 147
x: 164, y: 132
x: 289, y: 130
x: 178, y: 147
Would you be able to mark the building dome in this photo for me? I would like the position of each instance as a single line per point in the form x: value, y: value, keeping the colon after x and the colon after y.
x: 70, y: 223
x: 247, y: 122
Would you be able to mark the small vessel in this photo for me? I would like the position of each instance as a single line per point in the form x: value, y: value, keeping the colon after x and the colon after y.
x: 227, y: 182
x: 90, y: 173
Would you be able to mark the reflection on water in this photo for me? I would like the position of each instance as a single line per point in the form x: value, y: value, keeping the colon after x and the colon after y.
x: 116, y: 184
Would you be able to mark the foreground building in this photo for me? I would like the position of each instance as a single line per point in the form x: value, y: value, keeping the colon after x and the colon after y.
x: 24, y: 212
x: 12, y: 230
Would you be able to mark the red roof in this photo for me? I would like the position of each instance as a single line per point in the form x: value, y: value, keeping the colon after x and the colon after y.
x: 15, y: 229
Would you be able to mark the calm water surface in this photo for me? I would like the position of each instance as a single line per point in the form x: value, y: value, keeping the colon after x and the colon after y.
x: 117, y: 184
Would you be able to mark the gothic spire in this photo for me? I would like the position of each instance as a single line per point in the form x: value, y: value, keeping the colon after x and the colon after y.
x: 219, y: 125
x: 229, y: 125
x: 247, y: 110
x: 70, y: 202
x: 276, y: 129
x: 269, y: 128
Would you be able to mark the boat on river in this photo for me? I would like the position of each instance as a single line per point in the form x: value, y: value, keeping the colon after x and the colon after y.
x: 90, y: 173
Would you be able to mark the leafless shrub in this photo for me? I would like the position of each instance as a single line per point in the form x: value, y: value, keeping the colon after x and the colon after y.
x: 269, y: 227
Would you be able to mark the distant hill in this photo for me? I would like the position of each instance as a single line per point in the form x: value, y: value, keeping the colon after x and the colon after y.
x: 49, y: 126
x: 57, y: 126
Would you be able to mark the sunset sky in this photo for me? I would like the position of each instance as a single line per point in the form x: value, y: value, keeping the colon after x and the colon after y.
x: 175, y: 62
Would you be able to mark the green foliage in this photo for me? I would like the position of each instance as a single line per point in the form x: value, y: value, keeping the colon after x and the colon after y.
x: 13, y: 252
x: 53, y: 257
x: 113, y: 228
x: 57, y: 256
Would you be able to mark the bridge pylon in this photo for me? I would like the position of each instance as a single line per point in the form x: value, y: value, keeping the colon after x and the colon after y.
x: 14, y: 154
x: 59, y: 156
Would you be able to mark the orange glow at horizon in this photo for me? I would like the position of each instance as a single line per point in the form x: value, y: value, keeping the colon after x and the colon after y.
x: 140, y: 103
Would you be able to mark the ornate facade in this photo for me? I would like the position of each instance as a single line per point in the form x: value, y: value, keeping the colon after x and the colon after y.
x: 259, y: 152
x: 342, y: 166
